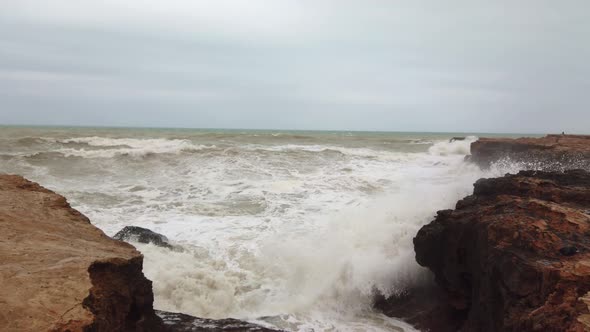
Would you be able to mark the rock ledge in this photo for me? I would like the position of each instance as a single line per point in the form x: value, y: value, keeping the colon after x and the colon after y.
x: 500, y: 258
x: 552, y: 152
x: 60, y: 273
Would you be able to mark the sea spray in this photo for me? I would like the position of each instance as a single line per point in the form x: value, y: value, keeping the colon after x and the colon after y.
x: 324, y: 266
x: 298, y: 230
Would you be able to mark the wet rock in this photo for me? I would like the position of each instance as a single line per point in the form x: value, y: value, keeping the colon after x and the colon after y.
x: 142, y: 235
x: 176, y: 322
x: 514, y: 255
x: 552, y: 152
x: 426, y: 307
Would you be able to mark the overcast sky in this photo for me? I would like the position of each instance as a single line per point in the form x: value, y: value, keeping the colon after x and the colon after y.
x: 484, y: 66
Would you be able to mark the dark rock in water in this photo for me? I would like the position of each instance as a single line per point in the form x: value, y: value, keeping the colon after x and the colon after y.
x: 500, y: 257
x: 456, y: 139
x: 426, y: 308
x: 60, y: 273
x: 176, y: 322
x: 142, y: 235
x: 568, y: 251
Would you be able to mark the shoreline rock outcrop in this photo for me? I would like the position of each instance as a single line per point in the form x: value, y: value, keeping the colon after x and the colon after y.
x: 60, y: 273
x: 552, y: 152
x: 515, y: 255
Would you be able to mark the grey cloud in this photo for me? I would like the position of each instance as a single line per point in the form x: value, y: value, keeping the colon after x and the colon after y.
x: 384, y: 65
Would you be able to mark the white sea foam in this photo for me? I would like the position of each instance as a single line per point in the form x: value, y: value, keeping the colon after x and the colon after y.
x: 128, y: 146
x: 348, y: 151
x: 460, y: 147
x: 317, y: 271
x: 271, y: 231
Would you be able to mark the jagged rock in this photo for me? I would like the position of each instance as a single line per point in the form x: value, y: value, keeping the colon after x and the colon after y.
x: 60, y: 273
x: 425, y: 307
x: 142, y: 235
x: 497, y: 254
x: 184, y: 323
x: 552, y: 152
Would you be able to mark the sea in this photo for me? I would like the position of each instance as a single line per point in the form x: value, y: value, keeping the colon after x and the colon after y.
x: 297, y: 230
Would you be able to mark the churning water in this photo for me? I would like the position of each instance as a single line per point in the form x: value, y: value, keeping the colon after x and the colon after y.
x: 296, y: 230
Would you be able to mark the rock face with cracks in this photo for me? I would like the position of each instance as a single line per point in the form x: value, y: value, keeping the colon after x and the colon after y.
x: 60, y: 273
x: 515, y: 255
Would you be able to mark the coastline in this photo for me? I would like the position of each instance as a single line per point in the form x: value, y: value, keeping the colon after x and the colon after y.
x: 514, y: 255
x: 61, y: 273
x: 35, y: 215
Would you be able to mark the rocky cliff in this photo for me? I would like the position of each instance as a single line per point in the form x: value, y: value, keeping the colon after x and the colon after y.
x: 515, y: 255
x: 552, y: 152
x: 60, y: 273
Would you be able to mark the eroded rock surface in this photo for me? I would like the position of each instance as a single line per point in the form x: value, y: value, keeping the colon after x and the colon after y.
x: 60, y: 273
x: 500, y: 258
x: 552, y: 152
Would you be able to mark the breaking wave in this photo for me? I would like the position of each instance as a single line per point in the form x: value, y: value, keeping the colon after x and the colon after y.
x: 460, y: 147
x: 299, y: 232
x: 112, y: 147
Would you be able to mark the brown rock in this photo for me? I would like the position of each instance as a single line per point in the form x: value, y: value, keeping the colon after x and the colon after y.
x: 552, y: 152
x: 499, y: 255
x: 60, y: 273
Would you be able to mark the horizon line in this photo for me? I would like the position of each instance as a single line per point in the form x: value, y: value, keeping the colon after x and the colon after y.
x: 266, y: 129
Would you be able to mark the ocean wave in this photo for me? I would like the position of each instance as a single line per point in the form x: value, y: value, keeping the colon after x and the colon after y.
x: 132, y: 142
x: 299, y: 233
x: 419, y: 142
x: 452, y: 147
x: 256, y: 267
x: 22, y: 143
x: 330, y: 149
x: 105, y: 147
x: 291, y: 136
x: 42, y: 155
x: 29, y: 141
